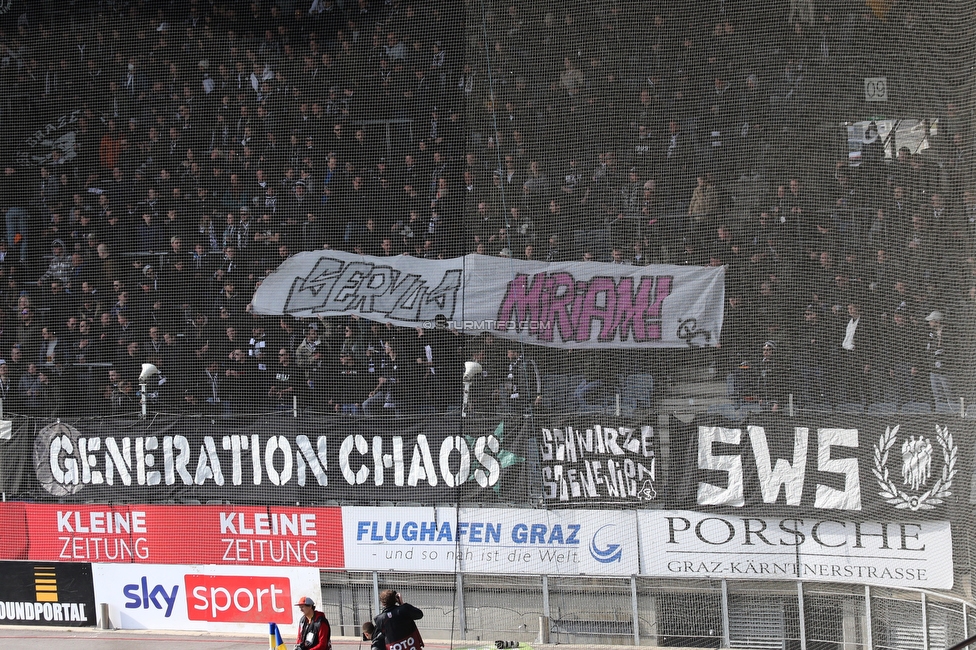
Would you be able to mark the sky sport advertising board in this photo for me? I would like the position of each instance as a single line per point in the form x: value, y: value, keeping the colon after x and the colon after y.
x: 203, y: 597
x: 490, y: 540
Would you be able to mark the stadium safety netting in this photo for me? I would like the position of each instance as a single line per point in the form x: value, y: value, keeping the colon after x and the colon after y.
x: 619, y: 321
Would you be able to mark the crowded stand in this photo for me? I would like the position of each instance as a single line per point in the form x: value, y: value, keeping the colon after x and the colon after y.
x: 198, y: 145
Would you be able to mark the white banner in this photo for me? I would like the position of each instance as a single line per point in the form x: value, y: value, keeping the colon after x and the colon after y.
x: 204, y: 597
x: 684, y: 544
x: 566, y: 304
x: 490, y: 540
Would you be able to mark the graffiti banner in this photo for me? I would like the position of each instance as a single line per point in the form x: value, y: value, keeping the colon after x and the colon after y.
x: 597, y: 460
x: 275, y: 460
x: 567, y: 304
x: 59, y: 133
x: 891, y: 466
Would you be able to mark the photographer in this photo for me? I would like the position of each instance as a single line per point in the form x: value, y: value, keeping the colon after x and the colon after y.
x: 314, y: 631
x: 397, y: 622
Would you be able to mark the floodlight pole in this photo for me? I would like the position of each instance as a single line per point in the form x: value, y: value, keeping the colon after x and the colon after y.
x: 142, y: 399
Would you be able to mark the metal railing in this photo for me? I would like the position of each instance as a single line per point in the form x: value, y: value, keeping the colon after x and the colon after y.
x: 466, y: 608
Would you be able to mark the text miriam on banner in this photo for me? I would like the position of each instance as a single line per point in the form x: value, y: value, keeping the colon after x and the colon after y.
x: 591, y: 305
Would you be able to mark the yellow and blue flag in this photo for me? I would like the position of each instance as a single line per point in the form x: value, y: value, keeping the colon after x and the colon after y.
x: 274, y: 638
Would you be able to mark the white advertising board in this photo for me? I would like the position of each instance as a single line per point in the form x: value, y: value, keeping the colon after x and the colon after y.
x: 685, y: 544
x: 491, y: 540
x: 203, y: 597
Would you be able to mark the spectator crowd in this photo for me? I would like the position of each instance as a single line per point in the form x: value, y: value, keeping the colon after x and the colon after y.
x: 196, y: 145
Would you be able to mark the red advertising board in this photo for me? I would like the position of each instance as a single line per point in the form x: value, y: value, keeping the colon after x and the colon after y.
x: 148, y: 534
x: 13, y: 523
x: 238, y: 599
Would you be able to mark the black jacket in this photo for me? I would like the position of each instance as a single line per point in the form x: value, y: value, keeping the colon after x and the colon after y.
x: 315, y: 634
x: 397, y: 623
x: 377, y: 641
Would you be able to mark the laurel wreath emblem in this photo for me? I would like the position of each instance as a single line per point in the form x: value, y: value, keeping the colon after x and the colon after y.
x: 940, y: 489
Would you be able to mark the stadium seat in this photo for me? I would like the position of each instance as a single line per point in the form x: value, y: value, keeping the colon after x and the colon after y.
x: 554, y: 389
x: 882, y: 408
x: 730, y: 411
x: 916, y: 408
x: 597, y: 401
x: 636, y: 392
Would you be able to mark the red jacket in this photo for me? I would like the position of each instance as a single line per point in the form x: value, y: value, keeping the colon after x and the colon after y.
x: 315, y: 634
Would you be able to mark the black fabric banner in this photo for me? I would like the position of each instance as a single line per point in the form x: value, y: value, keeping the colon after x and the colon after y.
x: 52, y: 593
x: 770, y: 463
x: 16, y: 469
x: 280, y: 459
x: 855, y: 464
x: 597, y: 460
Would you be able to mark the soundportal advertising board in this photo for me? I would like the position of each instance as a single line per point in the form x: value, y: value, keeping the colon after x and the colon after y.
x: 203, y: 597
x: 47, y: 593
